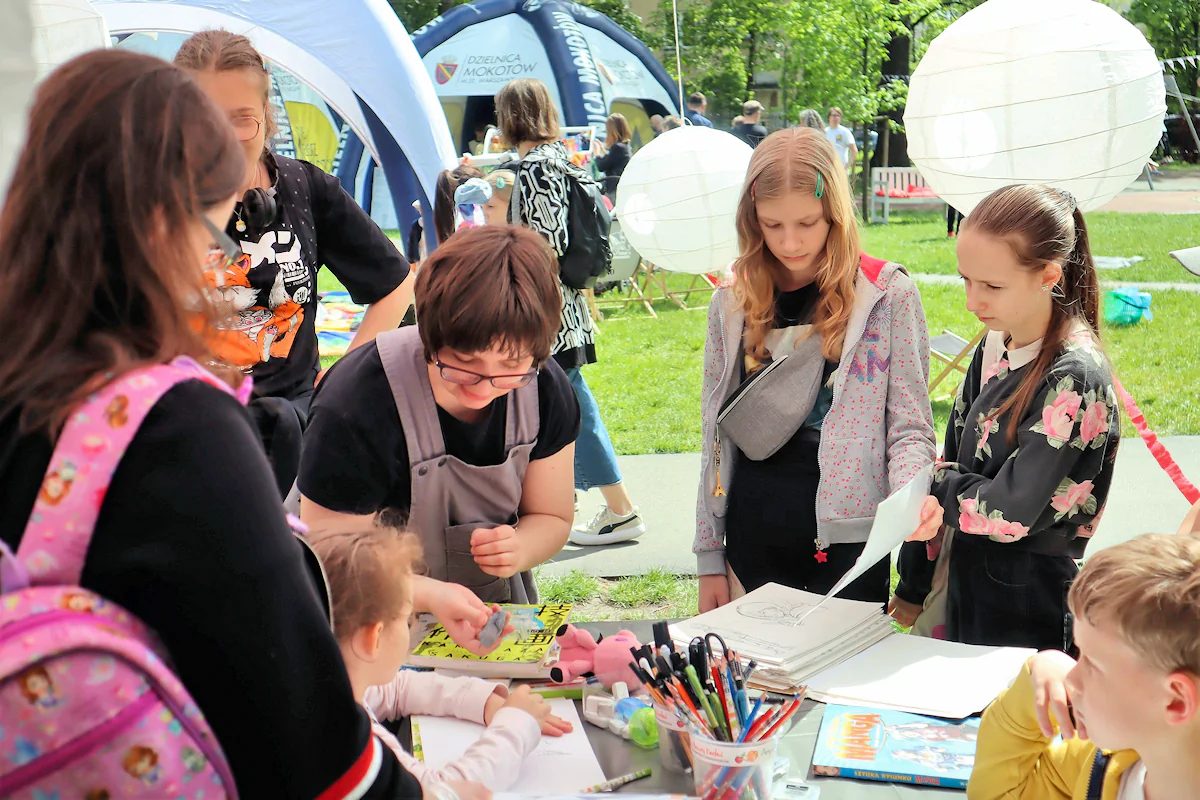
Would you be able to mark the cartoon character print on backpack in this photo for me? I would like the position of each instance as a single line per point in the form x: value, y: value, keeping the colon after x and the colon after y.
x: 89, y: 707
x: 142, y: 763
x: 38, y: 688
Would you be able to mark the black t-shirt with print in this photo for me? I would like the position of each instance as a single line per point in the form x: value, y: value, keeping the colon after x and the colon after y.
x: 355, y: 457
x: 275, y: 302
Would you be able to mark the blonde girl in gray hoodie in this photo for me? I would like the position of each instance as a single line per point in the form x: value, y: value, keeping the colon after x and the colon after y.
x: 817, y: 365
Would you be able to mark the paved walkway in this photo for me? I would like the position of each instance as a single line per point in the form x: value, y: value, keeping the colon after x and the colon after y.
x: 1173, y: 193
x: 1143, y: 500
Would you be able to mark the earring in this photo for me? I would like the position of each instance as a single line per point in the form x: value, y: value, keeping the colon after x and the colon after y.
x: 1045, y: 288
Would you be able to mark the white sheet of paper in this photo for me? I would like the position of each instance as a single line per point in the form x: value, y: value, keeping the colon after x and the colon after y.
x: 558, y: 764
x: 922, y: 676
x: 896, y: 519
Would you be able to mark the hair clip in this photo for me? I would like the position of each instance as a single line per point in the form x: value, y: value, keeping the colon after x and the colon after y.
x: 820, y: 185
x: 501, y: 182
x: 1070, y: 198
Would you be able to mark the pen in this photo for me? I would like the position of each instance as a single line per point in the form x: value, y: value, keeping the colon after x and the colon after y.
x: 750, y: 719
x: 694, y: 680
x: 616, y: 783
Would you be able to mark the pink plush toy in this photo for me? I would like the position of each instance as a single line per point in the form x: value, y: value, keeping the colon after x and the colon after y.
x: 606, y: 658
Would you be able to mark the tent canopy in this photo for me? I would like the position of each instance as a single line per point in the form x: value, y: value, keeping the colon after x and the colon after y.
x: 356, y: 57
x: 592, y: 66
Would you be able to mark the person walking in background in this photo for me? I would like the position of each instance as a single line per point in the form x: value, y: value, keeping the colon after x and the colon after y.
x: 697, y: 104
x: 671, y: 123
x: 540, y: 201
x: 751, y: 130
x: 811, y: 118
x: 842, y: 139
x: 614, y: 153
x: 953, y: 220
x: 656, y: 124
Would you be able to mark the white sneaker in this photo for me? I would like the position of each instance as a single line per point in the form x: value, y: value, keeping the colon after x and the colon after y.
x: 609, y: 528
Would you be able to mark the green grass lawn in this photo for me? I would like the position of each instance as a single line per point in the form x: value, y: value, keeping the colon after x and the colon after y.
x: 648, y: 379
x: 918, y: 241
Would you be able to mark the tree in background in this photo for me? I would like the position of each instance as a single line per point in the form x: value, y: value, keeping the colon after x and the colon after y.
x: 1173, y: 29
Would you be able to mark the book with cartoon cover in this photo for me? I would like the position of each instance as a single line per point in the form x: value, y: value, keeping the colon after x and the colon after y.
x: 529, y: 652
x: 896, y: 747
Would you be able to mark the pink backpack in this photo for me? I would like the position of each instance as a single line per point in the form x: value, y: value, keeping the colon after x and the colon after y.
x: 88, y: 708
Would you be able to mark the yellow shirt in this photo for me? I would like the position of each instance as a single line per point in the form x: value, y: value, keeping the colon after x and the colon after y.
x: 1014, y: 761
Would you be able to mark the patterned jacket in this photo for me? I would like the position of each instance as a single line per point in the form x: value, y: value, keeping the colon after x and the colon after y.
x: 878, y: 433
x: 540, y: 203
x: 1045, y: 491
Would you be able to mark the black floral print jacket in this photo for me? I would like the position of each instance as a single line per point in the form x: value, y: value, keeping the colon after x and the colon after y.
x: 1042, y: 492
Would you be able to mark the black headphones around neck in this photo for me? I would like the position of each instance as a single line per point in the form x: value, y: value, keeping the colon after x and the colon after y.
x: 259, y: 208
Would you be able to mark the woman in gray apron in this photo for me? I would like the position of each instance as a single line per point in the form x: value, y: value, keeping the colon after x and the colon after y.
x: 463, y: 426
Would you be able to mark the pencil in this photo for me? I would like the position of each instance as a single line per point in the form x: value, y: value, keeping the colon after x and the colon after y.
x: 792, y: 708
x: 616, y: 783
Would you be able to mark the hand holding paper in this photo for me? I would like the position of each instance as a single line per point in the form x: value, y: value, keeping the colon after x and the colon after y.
x: 931, y: 521
x: 896, y: 519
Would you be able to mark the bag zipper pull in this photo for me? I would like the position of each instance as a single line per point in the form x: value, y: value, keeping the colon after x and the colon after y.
x: 821, y: 556
x: 718, y: 490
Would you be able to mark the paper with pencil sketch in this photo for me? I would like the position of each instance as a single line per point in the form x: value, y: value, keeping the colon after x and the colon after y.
x: 897, y: 518
x: 558, y: 763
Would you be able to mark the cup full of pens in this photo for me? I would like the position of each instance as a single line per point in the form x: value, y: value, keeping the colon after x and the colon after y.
x: 706, y: 718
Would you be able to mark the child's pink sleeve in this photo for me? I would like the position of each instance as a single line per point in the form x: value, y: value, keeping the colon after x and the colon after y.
x: 412, y: 692
x: 495, y: 759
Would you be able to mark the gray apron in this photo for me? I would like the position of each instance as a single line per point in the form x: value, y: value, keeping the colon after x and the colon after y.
x: 451, y: 498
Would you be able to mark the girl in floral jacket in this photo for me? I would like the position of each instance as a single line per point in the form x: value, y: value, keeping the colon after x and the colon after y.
x: 1033, y: 435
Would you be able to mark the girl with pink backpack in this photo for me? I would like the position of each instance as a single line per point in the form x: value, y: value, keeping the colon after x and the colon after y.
x: 159, y: 633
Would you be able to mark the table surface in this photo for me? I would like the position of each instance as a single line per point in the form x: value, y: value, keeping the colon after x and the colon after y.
x: 618, y: 757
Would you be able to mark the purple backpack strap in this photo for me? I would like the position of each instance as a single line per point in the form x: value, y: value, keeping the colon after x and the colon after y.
x: 91, y: 445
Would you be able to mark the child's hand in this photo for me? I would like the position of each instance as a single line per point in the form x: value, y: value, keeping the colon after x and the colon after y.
x: 496, y: 550
x: 931, y: 521
x: 536, y: 706
x: 1048, y: 673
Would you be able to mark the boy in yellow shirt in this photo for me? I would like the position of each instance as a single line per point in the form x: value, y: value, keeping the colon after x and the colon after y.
x: 1129, y: 709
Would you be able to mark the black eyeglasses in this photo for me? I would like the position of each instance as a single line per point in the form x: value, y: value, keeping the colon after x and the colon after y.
x: 464, y: 377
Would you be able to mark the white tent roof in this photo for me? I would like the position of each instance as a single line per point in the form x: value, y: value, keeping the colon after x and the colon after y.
x: 345, y: 51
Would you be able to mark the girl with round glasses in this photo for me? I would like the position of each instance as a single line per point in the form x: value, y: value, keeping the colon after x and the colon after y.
x: 462, y: 426
x: 291, y: 219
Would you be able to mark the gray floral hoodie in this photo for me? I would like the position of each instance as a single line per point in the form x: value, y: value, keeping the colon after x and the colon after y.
x: 877, y: 435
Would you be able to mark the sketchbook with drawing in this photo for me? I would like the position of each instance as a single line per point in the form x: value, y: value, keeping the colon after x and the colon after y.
x: 875, y: 745
x: 773, y: 626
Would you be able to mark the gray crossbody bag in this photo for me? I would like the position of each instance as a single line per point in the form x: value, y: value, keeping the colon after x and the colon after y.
x: 768, y: 408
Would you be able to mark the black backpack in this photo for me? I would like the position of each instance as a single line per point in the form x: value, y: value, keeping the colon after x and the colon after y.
x: 588, y: 253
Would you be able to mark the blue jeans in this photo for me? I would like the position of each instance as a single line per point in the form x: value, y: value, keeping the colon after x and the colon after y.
x: 595, y: 461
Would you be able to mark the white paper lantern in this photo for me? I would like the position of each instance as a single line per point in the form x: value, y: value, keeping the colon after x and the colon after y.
x: 1062, y: 92
x: 63, y: 29
x: 677, y: 198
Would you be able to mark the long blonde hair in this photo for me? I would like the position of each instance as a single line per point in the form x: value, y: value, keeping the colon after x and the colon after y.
x: 789, y: 161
